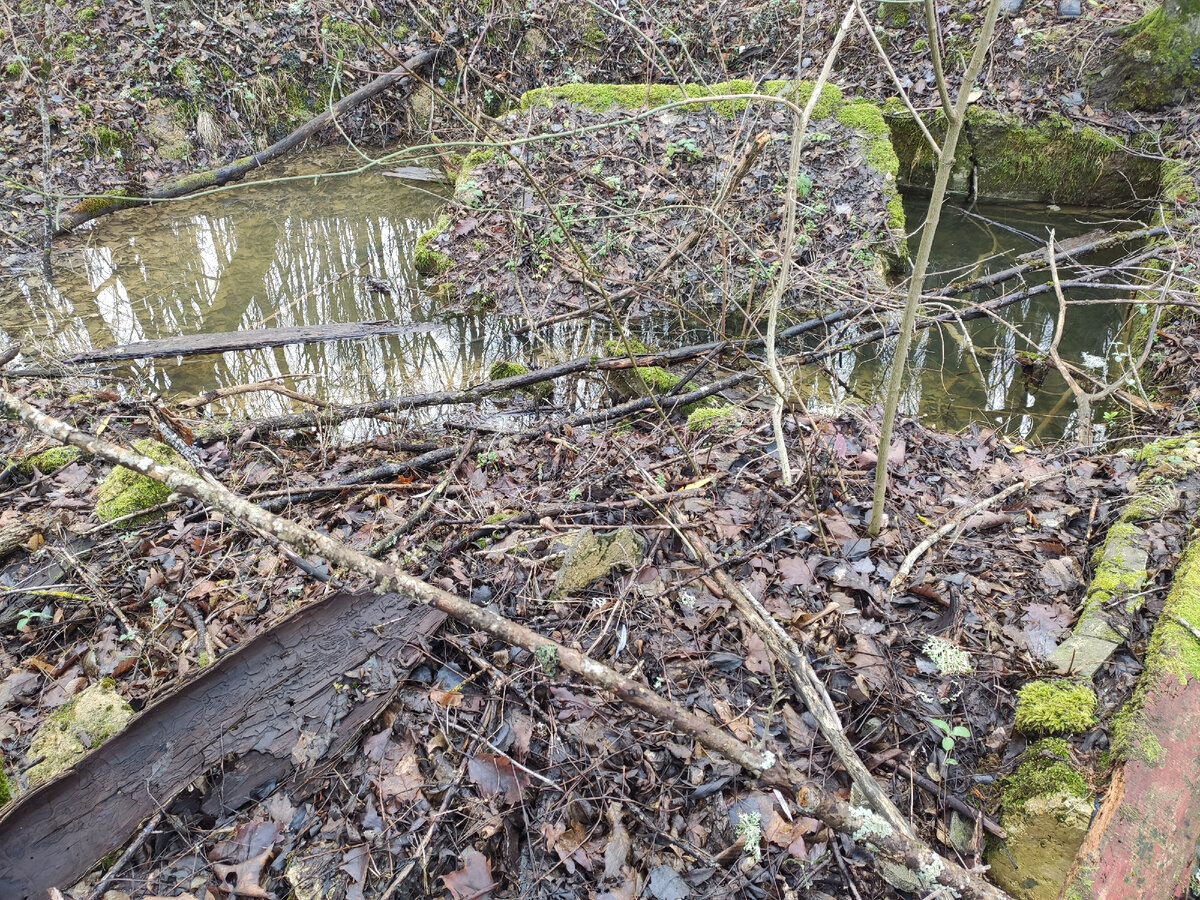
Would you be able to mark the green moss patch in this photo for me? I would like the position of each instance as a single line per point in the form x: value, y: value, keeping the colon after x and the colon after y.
x: 96, y: 714
x: 49, y: 460
x: 502, y: 369
x: 426, y: 259
x: 1055, y: 707
x: 124, y: 491
x: 600, y: 97
x: 1045, y: 769
x: 707, y: 418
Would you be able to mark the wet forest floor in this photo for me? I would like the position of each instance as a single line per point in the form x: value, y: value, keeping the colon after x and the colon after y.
x: 492, y: 770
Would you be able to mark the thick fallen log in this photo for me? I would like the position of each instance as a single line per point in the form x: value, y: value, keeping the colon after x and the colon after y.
x: 865, y: 827
x: 276, y: 704
x: 251, y: 339
x: 95, y: 207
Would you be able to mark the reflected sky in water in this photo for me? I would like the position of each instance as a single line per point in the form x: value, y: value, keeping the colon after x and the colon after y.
x: 339, y: 249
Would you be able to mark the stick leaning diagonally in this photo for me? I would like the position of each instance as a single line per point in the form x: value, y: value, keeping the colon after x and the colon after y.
x: 862, y: 825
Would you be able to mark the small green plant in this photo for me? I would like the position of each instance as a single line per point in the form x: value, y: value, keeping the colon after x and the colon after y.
x: 749, y: 829
x: 547, y: 658
x: 28, y: 615
x: 485, y: 458
x: 948, y: 737
x: 471, y: 194
x: 574, y: 493
x: 685, y: 148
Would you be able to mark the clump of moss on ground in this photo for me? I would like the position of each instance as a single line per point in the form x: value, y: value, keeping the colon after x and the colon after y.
x: 1055, y: 707
x: 706, y: 418
x: 49, y: 460
x: 426, y: 259
x: 125, y: 491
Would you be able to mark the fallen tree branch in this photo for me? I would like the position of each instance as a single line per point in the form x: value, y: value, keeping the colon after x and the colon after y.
x: 1022, y: 483
x: 335, y: 415
x: 95, y: 207
x: 250, y: 339
x: 865, y: 827
x: 803, y: 678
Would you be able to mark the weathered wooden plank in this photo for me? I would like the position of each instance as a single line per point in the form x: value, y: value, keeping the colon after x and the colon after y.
x: 251, y: 339
x: 288, y: 699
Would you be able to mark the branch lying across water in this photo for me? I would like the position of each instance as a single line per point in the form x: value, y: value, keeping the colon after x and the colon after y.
x: 865, y: 827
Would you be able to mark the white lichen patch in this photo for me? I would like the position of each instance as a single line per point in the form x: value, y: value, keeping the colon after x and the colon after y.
x: 949, y: 659
x: 871, y: 825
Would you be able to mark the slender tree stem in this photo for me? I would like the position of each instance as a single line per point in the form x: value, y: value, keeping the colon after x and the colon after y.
x: 956, y: 117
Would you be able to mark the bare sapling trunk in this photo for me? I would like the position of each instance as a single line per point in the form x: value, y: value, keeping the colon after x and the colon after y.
x: 955, y: 118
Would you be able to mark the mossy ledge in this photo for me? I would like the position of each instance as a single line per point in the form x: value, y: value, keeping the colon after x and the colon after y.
x: 1050, y: 161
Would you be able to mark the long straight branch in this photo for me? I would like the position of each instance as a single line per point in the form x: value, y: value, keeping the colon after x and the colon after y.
x: 799, y: 126
x: 864, y: 826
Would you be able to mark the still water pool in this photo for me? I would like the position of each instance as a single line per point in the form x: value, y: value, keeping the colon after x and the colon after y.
x: 315, y: 248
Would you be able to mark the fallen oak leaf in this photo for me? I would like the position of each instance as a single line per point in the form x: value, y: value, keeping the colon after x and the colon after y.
x: 473, y: 880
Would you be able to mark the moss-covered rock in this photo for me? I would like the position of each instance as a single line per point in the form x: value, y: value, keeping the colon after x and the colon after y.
x: 1155, y: 64
x: 124, y: 491
x: 1047, y: 807
x: 591, y: 557
x: 49, y: 460
x: 96, y: 714
x: 427, y: 259
x: 1055, y: 707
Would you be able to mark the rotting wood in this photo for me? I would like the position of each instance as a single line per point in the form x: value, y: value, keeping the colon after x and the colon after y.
x: 250, y: 339
x: 95, y: 207
x: 278, y: 702
x: 866, y: 828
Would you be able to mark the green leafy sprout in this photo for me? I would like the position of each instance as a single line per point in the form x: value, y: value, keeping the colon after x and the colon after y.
x: 948, y: 737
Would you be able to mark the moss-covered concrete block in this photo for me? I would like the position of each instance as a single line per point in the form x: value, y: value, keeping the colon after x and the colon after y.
x: 1055, y: 707
x: 1145, y: 839
x: 1119, y: 577
x: 1047, y: 807
x: 124, y: 491
x: 95, y: 714
x: 1053, y: 160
